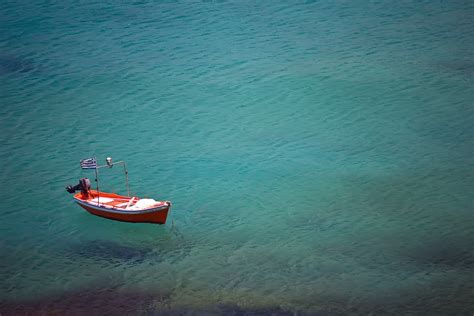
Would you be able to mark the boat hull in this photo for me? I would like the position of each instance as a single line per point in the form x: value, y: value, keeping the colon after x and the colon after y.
x: 155, y: 215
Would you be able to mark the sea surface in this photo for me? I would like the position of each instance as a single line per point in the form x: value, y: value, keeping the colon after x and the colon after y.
x: 318, y: 154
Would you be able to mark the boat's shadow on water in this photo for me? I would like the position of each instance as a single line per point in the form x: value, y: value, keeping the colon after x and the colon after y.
x: 171, y: 250
x: 106, y: 250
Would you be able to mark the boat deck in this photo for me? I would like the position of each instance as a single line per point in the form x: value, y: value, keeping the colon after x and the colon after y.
x: 114, y: 201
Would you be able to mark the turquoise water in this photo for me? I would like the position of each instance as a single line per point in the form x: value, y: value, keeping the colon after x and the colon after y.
x: 318, y: 156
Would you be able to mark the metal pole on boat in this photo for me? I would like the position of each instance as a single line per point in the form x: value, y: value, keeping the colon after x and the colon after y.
x: 126, y: 177
x: 97, y: 181
x: 110, y: 164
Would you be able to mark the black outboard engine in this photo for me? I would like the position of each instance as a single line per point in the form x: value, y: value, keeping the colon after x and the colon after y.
x: 84, y: 185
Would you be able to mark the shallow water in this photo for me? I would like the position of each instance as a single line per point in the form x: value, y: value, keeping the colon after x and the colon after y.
x: 318, y: 156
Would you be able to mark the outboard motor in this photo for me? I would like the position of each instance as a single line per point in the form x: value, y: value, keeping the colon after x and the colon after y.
x: 84, y: 185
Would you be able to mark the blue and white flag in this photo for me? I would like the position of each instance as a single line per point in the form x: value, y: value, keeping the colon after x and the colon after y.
x: 90, y: 163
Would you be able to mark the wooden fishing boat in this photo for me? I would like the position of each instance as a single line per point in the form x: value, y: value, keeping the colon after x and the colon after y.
x: 114, y: 206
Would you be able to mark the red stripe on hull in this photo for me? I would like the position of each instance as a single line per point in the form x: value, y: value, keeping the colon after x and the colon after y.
x: 157, y: 217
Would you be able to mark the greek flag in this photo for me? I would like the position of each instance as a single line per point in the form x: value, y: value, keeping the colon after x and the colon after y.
x: 90, y: 163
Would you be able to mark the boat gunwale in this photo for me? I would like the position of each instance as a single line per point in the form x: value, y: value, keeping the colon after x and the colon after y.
x: 112, y: 209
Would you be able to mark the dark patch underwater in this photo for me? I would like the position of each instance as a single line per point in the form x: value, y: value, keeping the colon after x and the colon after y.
x: 11, y: 64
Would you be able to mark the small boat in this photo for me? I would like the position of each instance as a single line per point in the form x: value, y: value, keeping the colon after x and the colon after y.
x: 113, y: 206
